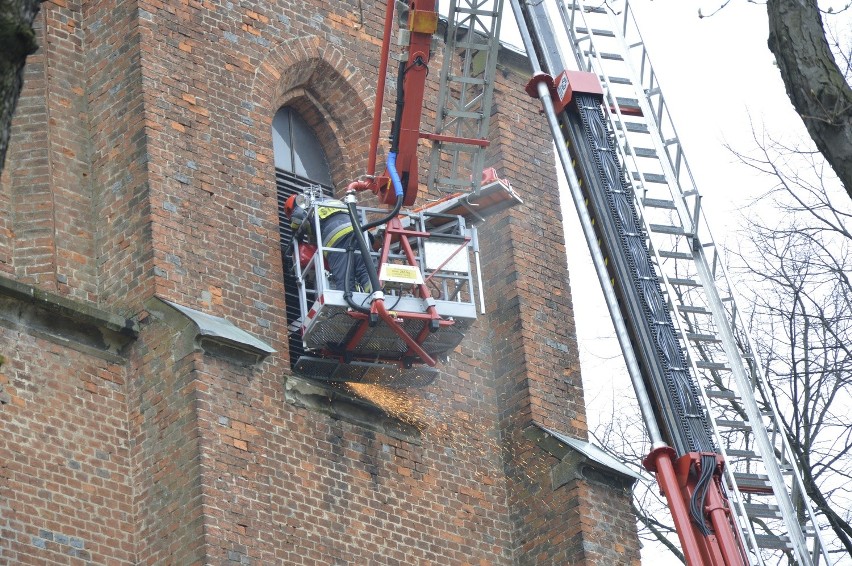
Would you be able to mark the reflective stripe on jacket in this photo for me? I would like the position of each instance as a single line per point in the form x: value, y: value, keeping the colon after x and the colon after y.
x: 334, y: 222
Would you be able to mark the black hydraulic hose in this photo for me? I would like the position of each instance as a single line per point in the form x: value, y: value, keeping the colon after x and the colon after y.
x: 363, y: 247
x: 696, y: 503
x: 358, y: 230
x: 400, y: 105
x: 397, y: 207
x: 347, y: 279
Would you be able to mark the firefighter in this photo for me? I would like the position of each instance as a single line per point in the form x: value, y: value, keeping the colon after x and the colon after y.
x: 337, y: 232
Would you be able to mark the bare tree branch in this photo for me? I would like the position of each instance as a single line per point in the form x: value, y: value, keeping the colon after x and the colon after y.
x: 798, y: 263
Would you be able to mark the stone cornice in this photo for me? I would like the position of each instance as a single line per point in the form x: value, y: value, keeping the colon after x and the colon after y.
x: 76, y: 324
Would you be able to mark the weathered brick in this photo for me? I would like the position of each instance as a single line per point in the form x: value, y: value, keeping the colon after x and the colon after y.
x: 141, y: 165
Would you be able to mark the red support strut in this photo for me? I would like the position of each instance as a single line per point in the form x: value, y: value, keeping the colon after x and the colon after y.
x: 431, y: 320
x: 677, y: 480
x: 422, y: 24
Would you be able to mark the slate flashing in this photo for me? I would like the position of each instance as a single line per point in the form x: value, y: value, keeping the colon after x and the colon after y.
x: 579, y: 460
x: 214, y: 335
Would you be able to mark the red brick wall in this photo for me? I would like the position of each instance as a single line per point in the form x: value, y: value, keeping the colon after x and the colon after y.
x: 66, y: 495
x: 122, y: 160
x: 163, y: 401
x: 159, y: 176
x: 74, y: 188
x: 28, y: 217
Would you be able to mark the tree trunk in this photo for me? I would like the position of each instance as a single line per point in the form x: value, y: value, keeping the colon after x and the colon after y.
x: 816, y: 87
x: 17, y: 41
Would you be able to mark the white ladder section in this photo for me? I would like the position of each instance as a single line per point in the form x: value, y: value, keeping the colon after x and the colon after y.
x: 762, y: 480
x: 465, y: 95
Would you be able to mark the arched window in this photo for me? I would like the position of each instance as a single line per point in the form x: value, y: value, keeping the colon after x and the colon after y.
x: 297, y: 149
x: 300, y: 163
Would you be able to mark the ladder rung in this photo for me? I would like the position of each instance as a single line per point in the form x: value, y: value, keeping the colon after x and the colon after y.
x: 471, y: 45
x: 616, y: 80
x: 721, y: 394
x: 711, y: 365
x: 651, y: 177
x: 659, y: 203
x: 773, y: 542
x: 729, y: 423
x: 637, y: 127
x: 742, y: 453
x: 628, y: 102
x: 663, y: 229
x: 753, y: 483
x: 702, y: 337
x: 683, y: 282
x: 644, y: 152
x: 693, y: 310
x: 765, y: 510
x: 675, y: 255
x: 600, y: 32
x: 466, y: 80
x: 475, y: 11
x: 607, y: 56
x: 462, y: 114
x: 588, y: 9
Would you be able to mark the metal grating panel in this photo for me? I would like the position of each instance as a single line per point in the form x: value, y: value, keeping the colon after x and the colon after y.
x: 332, y: 326
x: 387, y: 375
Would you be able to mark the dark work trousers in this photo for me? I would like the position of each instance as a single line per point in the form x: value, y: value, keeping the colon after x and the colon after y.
x: 337, y: 261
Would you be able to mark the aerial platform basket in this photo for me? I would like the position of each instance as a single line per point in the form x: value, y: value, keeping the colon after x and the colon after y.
x: 330, y: 326
x: 428, y: 288
x: 427, y: 305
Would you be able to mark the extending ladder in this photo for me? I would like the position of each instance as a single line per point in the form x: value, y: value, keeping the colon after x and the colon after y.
x: 763, y: 483
x: 464, y: 96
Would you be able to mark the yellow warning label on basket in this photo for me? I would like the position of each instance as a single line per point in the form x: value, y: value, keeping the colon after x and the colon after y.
x: 401, y: 274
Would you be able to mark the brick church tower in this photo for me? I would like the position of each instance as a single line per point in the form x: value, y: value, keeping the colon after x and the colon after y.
x: 148, y: 410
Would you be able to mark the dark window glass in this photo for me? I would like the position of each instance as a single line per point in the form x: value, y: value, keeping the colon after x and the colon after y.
x: 296, y: 147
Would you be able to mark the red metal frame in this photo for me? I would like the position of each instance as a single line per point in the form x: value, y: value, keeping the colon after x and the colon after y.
x: 423, y: 23
x: 454, y: 139
x: 677, y: 479
x: 395, y: 233
x: 380, y: 92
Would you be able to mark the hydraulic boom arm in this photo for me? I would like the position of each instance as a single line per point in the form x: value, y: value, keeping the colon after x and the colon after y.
x: 690, y: 472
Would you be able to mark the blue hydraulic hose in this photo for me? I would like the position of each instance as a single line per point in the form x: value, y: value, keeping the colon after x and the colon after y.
x: 397, y: 184
x: 398, y: 191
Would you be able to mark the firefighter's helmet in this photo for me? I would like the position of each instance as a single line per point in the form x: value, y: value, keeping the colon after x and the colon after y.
x: 294, y: 210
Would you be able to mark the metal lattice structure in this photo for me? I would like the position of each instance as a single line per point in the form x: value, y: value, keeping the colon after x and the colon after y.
x: 465, y: 95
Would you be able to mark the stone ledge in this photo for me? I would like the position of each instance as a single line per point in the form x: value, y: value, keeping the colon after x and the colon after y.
x: 580, y: 460
x: 75, y: 324
x: 340, y: 403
